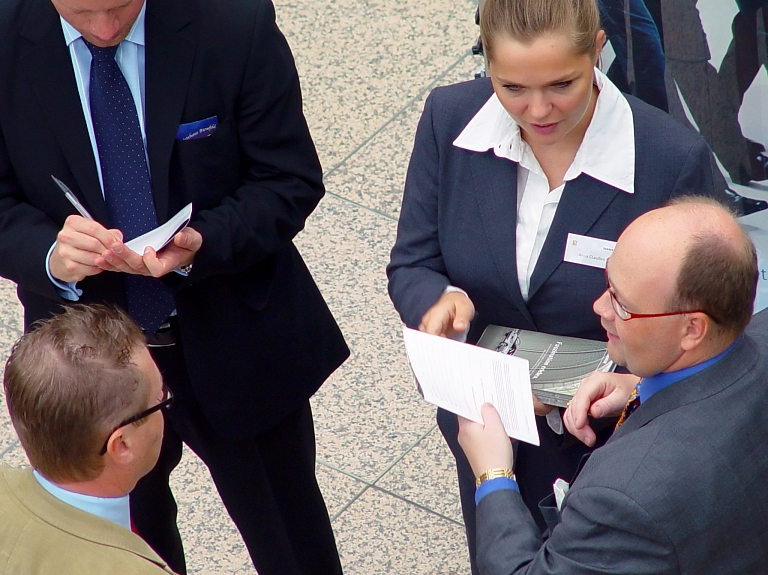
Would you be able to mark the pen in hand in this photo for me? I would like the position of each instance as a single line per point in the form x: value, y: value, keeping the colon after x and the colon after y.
x: 72, y: 198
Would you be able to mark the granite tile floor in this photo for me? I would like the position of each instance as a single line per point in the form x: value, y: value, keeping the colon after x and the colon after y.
x: 366, y: 67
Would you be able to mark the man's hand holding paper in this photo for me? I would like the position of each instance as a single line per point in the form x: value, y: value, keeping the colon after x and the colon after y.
x: 486, y: 444
x: 159, y: 251
x: 176, y: 254
x: 460, y: 378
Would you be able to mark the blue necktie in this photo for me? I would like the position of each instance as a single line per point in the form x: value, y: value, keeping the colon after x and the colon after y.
x: 127, y: 187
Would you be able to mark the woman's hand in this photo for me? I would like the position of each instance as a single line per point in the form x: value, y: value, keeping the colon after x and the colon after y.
x: 449, y: 316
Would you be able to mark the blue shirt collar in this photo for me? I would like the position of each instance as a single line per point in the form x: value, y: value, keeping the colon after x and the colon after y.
x: 115, y: 509
x: 136, y: 35
x: 650, y: 385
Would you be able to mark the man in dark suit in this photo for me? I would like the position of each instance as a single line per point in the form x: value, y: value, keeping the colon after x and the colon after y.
x: 141, y: 108
x: 663, y: 495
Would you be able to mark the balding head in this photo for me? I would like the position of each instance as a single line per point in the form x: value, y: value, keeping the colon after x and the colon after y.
x: 691, y: 264
x: 719, y: 271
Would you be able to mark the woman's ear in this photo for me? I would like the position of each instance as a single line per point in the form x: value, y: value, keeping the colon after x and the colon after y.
x: 599, y: 43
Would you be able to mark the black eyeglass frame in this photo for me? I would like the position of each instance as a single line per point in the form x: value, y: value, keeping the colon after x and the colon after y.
x: 167, y: 399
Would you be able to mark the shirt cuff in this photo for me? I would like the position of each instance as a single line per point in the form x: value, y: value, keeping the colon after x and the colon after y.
x: 67, y: 290
x: 460, y: 337
x: 498, y: 484
x: 555, y: 421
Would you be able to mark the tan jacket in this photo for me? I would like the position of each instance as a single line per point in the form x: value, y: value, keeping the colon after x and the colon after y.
x: 40, y: 535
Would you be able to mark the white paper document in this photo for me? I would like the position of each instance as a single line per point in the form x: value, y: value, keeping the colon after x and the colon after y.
x: 158, y: 238
x: 460, y: 378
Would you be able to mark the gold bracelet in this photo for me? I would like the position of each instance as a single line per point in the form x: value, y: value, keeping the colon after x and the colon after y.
x: 494, y: 474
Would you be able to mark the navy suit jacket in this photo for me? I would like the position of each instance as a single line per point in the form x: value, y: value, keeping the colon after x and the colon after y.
x: 457, y: 224
x: 678, y: 489
x: 257, y: 335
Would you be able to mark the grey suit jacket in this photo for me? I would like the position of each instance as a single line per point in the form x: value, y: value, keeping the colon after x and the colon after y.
x: 678, y: 489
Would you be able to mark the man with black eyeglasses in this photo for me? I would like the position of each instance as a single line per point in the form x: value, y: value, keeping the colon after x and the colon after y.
x: 86, y: 400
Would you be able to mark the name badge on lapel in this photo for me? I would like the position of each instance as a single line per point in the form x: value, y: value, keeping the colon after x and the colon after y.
x: 587, y: 251
x: 197, y: 130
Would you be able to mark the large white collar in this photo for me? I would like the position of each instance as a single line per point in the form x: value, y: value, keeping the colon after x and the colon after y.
x: 607, y: 152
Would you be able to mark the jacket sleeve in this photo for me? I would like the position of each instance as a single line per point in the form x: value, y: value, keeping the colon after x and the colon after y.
x: 281, y: 177
x: 602, y: 531
x: 26, y: 234
x: 699, y: 175
x: 416, y: 271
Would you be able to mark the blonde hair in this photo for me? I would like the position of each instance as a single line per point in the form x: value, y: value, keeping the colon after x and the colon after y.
x: 527, y: 20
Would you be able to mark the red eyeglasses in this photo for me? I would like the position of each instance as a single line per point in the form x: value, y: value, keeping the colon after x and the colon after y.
x: 623, y: 314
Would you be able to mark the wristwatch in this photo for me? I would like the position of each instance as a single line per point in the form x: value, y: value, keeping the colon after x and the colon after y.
x: 494, y: 474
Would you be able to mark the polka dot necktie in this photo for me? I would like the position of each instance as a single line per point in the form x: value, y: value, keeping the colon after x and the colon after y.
x: 127, y: 187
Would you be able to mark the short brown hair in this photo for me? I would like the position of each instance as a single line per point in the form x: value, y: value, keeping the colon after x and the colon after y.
x: 68, y: 383
x: 527, y: 20
x: 716, y: 276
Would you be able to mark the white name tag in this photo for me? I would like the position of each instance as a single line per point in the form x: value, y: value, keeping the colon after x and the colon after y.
x: 587, y: 251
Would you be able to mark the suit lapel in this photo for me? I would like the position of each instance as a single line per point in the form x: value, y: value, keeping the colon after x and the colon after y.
x: 495, y: 187
x: 169, y: 59
x: 583, y: 201
x: 48, y: 68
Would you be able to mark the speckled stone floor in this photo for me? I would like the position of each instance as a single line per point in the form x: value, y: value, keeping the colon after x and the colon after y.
x: 366, y: 67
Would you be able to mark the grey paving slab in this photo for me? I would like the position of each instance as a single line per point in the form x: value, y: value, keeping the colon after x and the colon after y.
x: 7, y: 433
x: 339, y: 490
x: 380, y: 534
x: 361, y: 61
x: 427, y: 477
x: 374, y: 176
x: 367, y: 414
x: 7, y: 337
x: 14, y: 456
x: 11, y: 312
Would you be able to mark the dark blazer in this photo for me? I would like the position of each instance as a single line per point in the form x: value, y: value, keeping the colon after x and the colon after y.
x: 257, y: 335
x: 459, y: 211
x: 678, y: 489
